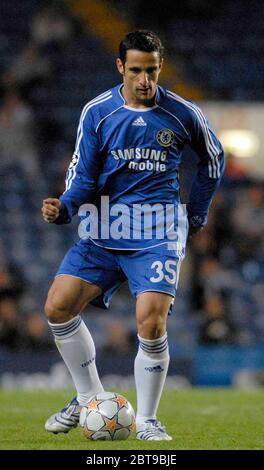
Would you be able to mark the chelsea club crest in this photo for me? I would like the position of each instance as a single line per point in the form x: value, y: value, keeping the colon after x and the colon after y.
x: 165, y: 137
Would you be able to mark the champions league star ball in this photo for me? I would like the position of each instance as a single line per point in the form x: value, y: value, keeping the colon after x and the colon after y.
x: 107, y: 417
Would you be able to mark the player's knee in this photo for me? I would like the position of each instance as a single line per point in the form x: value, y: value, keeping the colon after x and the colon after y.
x: 56, y: 309
x: 151, y: 326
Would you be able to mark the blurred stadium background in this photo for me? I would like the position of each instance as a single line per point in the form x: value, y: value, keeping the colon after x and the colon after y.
x: 54, y: 57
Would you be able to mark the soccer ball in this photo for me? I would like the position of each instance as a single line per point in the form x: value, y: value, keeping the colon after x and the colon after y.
x: 107, y: 417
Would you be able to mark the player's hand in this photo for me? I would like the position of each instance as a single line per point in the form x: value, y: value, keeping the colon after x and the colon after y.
x: 50, y: 209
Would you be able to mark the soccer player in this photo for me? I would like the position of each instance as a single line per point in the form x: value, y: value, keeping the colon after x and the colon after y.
x: 126, y: 161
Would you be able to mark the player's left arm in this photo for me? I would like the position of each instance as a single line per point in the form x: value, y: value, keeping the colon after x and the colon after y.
x: 210, y: 169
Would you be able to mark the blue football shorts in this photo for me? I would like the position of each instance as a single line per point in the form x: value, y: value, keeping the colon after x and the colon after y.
x: 152, y: 270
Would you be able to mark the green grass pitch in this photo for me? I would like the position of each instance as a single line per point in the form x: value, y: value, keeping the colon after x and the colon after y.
x: 196, y: 419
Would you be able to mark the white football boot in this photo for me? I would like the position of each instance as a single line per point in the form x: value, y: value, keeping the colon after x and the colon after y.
x: 152, y: 430
x: 66, y: 419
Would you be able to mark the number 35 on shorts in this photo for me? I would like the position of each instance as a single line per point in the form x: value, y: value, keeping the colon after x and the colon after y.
x: 167, y: 271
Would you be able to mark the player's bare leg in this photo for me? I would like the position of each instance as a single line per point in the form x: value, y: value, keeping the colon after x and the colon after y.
x: 67, y: 297
x: 151, y: 363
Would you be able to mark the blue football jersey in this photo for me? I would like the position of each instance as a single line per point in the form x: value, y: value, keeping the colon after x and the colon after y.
x: 125, y: 171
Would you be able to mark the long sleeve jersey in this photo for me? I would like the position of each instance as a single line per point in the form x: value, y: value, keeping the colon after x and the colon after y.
x: 128, y: 159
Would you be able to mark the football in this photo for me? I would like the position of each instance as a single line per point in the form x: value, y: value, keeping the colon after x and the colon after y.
x: 107, y: 416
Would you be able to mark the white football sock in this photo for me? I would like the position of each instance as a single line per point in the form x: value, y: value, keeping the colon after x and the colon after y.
x: 77, y: 349
x: 151, y: 366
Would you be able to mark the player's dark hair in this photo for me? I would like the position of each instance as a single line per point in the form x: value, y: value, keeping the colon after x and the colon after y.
x: 141, y: 40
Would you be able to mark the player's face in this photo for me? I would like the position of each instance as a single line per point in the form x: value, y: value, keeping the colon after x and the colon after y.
x: 140, y: 73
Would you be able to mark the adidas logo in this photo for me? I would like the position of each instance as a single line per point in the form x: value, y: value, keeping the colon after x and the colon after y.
x: 154, y: 369
x: 139, y: 122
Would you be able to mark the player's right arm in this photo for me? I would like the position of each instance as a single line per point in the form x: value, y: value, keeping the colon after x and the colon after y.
x: 82, y: 174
